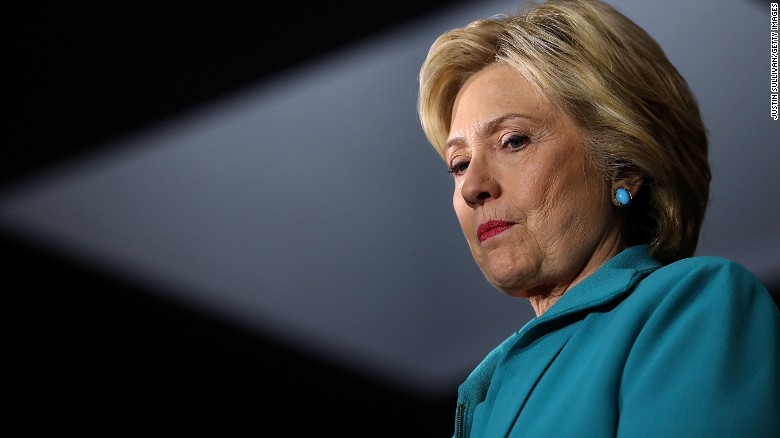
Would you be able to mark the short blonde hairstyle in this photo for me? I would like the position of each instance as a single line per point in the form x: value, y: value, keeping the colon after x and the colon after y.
x: 633, y: 109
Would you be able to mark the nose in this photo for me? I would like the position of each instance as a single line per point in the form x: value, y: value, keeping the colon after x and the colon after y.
x: 479, y: 184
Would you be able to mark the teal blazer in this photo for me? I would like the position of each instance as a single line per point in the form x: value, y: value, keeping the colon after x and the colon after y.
x: 637, y: 350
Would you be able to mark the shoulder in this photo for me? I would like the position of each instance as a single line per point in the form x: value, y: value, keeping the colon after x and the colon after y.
x: 705, y: 338
x: 705, y: 287
x: 707, y: 266
x: 706, y: 276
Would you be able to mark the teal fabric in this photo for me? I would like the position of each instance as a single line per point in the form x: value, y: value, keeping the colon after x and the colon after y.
x: 637, y: 350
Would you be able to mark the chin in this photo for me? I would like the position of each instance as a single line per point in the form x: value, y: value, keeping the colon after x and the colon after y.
x: 511, y: 272
x: 512, y: 284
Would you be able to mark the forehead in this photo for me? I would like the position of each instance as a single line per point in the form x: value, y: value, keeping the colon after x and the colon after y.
x: 493, y: 91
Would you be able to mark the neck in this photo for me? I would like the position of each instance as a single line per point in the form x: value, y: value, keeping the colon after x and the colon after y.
x: 544, y: 297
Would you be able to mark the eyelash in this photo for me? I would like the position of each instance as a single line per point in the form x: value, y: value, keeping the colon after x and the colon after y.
x: 454, y: 168
x: 514, y: 137
x: 458, y: 168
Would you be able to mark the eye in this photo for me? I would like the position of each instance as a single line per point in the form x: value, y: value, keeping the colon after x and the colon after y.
x: 516, y: 141
x: 458, y: 168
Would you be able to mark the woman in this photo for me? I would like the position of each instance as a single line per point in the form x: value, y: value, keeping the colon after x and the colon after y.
x: 581, y: 181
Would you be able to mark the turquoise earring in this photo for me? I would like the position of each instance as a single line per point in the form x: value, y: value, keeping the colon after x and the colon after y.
x: 622, y: 197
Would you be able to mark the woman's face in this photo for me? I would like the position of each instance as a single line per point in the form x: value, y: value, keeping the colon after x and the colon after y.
x: 536, y: 214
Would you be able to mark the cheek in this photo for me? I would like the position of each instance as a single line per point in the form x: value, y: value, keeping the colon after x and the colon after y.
x: 568, y: 183
x: 534, y: 190
x: 576, y: 203
x: 590, y: 195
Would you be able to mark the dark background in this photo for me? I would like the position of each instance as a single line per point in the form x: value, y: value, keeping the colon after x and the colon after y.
x: 79, y: 76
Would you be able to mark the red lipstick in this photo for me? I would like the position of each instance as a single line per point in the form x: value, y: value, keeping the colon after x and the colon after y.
x: 490, y: 228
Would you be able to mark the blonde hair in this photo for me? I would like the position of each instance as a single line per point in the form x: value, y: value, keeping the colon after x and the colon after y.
x: 634, y: 110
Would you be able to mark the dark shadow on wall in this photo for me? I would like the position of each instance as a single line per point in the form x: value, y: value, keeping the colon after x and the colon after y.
x: 94, y: 353
x: 84, y: 76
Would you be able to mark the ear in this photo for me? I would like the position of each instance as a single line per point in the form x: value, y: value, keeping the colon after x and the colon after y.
x: 631, y: 181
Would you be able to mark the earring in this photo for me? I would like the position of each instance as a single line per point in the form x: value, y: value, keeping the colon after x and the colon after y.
x: 622, y: 197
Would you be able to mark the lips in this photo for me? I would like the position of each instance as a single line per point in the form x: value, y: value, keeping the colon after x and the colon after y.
x: 491, y: 228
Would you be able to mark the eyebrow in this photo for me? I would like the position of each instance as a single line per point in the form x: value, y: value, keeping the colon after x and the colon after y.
x: 490, y: 126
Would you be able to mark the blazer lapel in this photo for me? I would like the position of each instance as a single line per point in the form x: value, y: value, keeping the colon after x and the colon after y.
x: 513, y: 382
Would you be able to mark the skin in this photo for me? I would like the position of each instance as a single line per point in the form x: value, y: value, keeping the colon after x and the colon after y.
x: 516, y: 157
